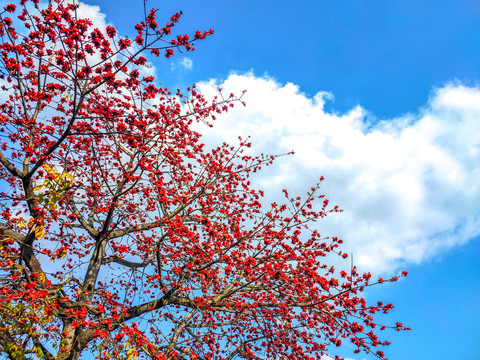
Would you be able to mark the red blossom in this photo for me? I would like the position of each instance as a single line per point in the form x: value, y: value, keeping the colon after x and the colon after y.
x: 200, y: 36
x: 10, y: 8
x: 150, y: 20
x: 111, y: 32
x: 124, y: 43
x: 118, y: 223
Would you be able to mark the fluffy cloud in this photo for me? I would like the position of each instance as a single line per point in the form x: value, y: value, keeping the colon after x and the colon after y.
x: 408, y: 186
x: 327, y: 357
x: 92, y: 12
x: 187, y: 63
x: 182, y: 64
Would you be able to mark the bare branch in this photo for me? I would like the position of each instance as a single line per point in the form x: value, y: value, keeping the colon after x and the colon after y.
x: 124, y: 262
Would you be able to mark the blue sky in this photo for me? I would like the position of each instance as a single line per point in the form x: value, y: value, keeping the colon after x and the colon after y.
x: 379, y: 96
x: 384, y: 55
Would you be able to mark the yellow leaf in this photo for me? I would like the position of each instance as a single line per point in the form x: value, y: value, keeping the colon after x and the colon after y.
x: 49, y: 169
x: 131, y: 353
x: 42, y: 277
x: 67, y: 176
x: 39, y: 233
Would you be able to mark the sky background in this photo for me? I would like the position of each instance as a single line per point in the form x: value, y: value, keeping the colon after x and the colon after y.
x: 380, y: 97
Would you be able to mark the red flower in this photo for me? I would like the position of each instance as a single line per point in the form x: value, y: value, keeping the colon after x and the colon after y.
x: 10, y: 8
x: 168, y: 53
x: 111, y: 32
x: 123, y: 44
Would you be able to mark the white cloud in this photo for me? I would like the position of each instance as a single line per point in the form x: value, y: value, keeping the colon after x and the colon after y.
x: 187, y: 63
x: 93, y: 13
x: 409, y: 186
x: 327, y: 357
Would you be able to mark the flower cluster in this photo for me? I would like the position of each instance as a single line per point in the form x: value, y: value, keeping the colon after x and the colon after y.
x: 122, y: 236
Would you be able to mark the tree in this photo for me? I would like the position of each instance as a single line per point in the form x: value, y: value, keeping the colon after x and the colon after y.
x: 121, y: 236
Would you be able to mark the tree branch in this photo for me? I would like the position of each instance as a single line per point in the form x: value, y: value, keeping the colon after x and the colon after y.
x: 46, y: 353
x: 7, y: 342
x: 7, y: 232
x: 10, y: 167
x: 138, y: 310
x: 124, y: 262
